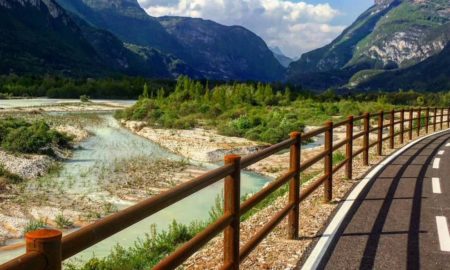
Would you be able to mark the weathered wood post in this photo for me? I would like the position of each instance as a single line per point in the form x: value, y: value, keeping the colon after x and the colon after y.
x: 380, y: 133
x: 366, y: 139
x: 294, y: 187
x: 410, y: 131
x: 328, y: 186
x: 448, y: 117
x: 435, y: 119
x: 231, y: 206
x: 48, y: 243
x: 349, y: 149
x: 419, y: 121
x: 442, y: 118
x: 427, y: 120
x: 391, y: 130
x: 402, y: 126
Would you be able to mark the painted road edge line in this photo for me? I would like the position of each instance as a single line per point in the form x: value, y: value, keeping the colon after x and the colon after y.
x: 319, y: 250
x: 443, y: 233
x: 441, y: 152
x: 448, y: 145
x: 436, y: 163
x: 436, y: 185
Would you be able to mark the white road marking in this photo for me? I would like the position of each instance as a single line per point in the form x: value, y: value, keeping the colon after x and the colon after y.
x: 436, y: 163
x: 443, y: 233
x: 448, y: 145
x: 436, y: 185
x: 440, y: 153
x: 316, y: 255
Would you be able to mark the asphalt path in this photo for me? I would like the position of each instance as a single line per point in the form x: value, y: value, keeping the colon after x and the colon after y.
x: 400, y: 219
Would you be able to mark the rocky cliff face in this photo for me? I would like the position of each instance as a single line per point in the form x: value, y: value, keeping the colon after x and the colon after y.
x: 383, y: 2
x: 392, y: 34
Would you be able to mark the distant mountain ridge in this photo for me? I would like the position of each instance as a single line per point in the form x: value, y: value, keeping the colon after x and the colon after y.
x: 392, y: 34
x: 212, y: 50
x: 284, y: 60
x: 108, y: 37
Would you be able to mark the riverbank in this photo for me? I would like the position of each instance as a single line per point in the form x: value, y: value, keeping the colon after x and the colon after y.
x: 195, y: 144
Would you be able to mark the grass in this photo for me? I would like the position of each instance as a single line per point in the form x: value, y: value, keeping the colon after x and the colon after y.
x: 63, y: 222
x: 34, y: 225
x: 10, y: 177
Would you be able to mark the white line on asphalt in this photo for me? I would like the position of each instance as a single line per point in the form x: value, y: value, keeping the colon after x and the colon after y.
x: 443, y: 233
x: 448, y: 145
x: 440, y: 153
x: 436, y: 163
x: 319, y: 250
x: 436, y: 185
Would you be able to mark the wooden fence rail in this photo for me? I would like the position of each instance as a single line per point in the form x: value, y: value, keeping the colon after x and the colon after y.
x: 46, y: 249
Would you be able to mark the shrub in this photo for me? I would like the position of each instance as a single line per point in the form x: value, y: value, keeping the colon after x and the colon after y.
x: 20, y: 136
x: 62, y: 222
x: 34, y: 225
x: 84, y: 98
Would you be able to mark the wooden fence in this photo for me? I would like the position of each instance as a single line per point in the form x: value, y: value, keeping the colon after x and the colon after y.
x: 46, y: 249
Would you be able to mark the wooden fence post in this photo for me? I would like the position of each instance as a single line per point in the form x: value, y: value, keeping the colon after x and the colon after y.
x: 231, y: 206
x: 402, y: 126
x: 448, y: 117
x: 419, y: 121
x: 366, y: 139
x: 435, y: 119
x: 410, y: 131
x: 294, y: 187
x: 349, y: 149
x: 328, y: 186
x: 48, y: 243
x: 380, y: 133
x: 427, y: 120
x: 442, y: 118
x: 391, y: 130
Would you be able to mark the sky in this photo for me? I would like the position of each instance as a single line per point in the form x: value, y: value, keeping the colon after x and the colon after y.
x: 295, y: 26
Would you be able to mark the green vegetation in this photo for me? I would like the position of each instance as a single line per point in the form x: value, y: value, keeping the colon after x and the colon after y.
x: 34, y: 225
x: 261, y: 112
x: 19, y: 136
x: 9, y: 177
x: 64, y: 87
x: 146, y: 252
x: 62, y: 222
x: 84, y: 98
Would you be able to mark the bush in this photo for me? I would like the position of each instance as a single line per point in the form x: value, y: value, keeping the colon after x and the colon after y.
x: 62, y: 222
x: 84, y: 98
x: 19, y: 136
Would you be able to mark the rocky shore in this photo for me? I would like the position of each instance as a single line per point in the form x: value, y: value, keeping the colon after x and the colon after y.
x: 196, y: 144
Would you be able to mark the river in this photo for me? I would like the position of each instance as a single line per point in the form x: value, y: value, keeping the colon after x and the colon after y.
x: 110, y: 142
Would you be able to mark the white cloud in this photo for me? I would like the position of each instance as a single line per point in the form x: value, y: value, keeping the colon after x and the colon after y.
x: 295, y: 27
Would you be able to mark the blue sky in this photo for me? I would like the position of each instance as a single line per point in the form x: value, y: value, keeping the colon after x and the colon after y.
x: 295, y: 26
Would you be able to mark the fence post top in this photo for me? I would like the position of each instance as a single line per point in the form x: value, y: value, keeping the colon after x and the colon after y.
x: 329, y: 123
x: 350, y: 117
x: 44, y: 235
x: 232, y: 158
x: 295, y: 134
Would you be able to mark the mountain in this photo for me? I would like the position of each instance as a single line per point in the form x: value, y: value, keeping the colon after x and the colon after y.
x: 430, y: 75
x: 284, y: 60
x: 39, y: 37
x: 392, y: 34
x: 214, y: 51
